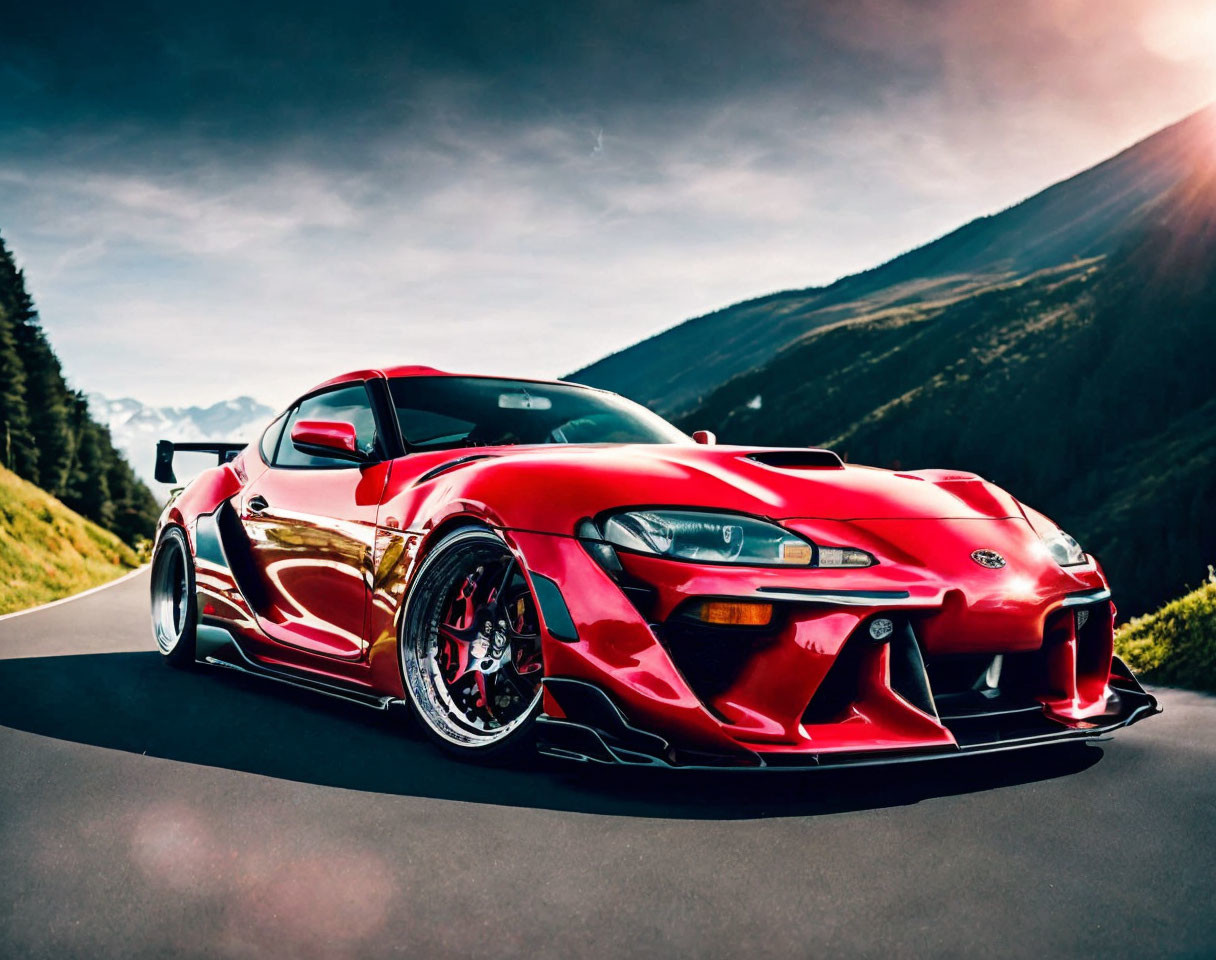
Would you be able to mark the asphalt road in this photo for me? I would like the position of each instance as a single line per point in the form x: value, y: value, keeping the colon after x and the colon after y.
x: 146, y: 812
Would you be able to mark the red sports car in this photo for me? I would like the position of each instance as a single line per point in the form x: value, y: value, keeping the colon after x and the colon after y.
x: 544, y: 565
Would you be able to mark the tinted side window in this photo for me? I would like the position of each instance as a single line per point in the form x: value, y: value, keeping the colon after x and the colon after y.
x: 349, y: 404
x: 270, y: 438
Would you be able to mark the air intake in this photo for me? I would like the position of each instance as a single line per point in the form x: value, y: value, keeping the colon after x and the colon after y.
x: 809, y: 459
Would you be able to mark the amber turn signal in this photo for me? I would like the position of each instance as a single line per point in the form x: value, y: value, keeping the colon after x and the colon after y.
x: 796, y: 553
x: 736, y: 614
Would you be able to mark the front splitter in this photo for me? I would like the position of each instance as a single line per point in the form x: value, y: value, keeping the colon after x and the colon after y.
x: 595, y: 731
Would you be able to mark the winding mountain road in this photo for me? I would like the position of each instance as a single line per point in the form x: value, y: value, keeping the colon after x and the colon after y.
x: 146, y: 812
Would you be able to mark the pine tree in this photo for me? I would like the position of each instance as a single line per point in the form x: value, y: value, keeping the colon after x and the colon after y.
x: 45, y: 396
x: 88, y: 491
x: 44, y: 454
x: 46, y: 433
x: 15, y: 440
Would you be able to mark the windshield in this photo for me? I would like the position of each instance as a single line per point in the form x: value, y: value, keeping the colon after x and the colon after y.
x: 438, y: 413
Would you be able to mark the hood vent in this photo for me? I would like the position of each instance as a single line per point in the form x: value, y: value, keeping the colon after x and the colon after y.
x: 808, y: 459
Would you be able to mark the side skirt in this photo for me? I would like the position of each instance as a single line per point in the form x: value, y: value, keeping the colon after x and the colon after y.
x: 219, y: 647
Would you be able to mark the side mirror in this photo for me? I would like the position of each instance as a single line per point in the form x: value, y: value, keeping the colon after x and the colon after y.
x: 327, y: 438
x: 704, y: 436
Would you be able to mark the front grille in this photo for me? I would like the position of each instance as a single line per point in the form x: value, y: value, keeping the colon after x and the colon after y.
x: 978, y: 697
x: 972, y: 685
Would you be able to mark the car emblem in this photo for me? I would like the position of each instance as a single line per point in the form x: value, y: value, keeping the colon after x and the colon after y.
x: 988, y: 558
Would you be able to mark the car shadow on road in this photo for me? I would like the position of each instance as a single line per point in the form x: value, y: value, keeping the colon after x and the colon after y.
x: 132, y: 702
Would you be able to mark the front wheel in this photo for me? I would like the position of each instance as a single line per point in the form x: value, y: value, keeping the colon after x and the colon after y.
x: 174, y: 616
x: 470, y: 648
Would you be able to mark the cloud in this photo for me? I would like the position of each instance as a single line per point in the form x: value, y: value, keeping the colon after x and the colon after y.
x: 238, y: 200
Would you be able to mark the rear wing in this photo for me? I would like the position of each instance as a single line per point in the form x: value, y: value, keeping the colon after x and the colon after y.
x: 166, y: 448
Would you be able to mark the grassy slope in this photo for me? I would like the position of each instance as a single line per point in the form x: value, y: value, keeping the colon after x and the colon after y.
x: 1177, y: 644
x: 47, y: 551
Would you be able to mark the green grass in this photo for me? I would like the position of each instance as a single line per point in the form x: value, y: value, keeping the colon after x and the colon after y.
x: 48, y: 551
x: 1177, y: 644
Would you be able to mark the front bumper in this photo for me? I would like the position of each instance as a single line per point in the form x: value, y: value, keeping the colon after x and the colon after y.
x: 626, y: 687
x: 603, y: 734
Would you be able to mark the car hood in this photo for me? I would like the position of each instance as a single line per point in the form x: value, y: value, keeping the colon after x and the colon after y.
x: 779, y: 483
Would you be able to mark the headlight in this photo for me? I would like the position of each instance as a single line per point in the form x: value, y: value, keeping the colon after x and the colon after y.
x: 1064, y: 549
x: 721, y: 538
x: 844, y: 557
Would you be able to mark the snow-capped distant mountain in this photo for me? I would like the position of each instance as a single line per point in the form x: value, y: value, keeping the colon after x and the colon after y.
x: 135, y: 428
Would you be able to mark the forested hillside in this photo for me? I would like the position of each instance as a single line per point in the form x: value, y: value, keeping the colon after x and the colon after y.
x: 46, y: 433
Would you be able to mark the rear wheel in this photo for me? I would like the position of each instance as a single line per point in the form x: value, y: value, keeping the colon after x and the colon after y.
x: 174, y: 608
x: 470, y: 648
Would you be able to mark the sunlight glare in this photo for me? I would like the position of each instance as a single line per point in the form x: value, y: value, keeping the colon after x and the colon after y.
x: 1181, y: 32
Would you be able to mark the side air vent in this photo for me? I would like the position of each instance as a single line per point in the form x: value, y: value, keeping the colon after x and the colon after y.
x: 808, y: 459
x: 451, y: 465
x: 238, y: 551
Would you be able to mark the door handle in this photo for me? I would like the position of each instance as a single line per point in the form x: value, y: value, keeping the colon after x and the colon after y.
x: 257, y: 504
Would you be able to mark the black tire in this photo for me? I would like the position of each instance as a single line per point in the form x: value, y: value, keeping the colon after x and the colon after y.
x: 174, y: 602
x: 443, y: 710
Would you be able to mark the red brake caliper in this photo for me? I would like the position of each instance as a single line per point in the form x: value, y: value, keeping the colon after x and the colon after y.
x: 460, y: 632
x: 457, y: 631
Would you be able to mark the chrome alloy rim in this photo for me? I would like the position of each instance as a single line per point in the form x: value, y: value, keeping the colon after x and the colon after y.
x: 170, y: 596
x: 473, y: 660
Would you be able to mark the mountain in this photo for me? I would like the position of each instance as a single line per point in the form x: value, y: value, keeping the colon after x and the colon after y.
x: 1085, y: 217
x: 46, y: 433
x: 1062, y: 349
x: 136, y: 427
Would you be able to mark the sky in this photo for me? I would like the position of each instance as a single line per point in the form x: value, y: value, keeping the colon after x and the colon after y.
x: 245, y: 198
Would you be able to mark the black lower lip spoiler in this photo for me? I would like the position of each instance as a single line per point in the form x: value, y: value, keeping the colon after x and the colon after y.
x: 596, y: 731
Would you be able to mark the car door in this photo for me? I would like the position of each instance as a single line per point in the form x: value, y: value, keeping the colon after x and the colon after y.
x: 311, y: 524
